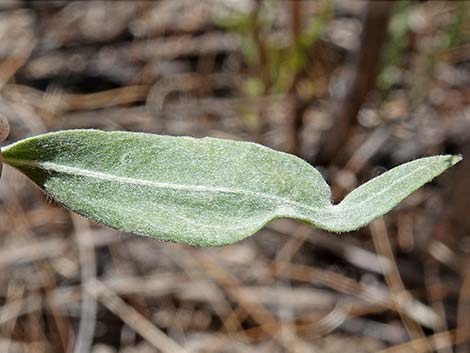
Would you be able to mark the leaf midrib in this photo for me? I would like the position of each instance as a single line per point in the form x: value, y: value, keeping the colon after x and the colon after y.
x: 61, y: 168
x: 280, y: 201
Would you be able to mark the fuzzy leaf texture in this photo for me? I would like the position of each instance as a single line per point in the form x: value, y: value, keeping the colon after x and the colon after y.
x: 202, y: 192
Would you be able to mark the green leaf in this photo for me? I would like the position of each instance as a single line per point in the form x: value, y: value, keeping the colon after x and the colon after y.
x: 200, y: 191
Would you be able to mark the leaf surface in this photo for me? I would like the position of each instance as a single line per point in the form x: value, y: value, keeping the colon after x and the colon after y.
x: 200, y: 191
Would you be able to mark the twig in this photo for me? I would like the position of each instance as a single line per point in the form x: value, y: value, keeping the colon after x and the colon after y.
x: 377, y: 296
x: 132, y: 318
x: 463, y: 319
x: 341, y: 247
x: 417, y: 345
x: 36, y: 251
x: 366, y: 70
x: 432, y: 280
x: 393, y: 279
x: 18, y: 307
x: 269, y: 324
x: 89, y: 306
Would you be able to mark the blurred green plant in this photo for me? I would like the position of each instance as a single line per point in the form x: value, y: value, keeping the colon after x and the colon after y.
x: 399, y: 41
x: 457, y: 31
x: 274, y: 64
x: 446, y: 34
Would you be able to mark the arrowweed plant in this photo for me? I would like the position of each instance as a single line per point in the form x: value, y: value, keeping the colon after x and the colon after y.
x: 204, y: 192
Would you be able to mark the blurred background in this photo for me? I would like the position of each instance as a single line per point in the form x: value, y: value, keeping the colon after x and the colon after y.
x: 353, y: 87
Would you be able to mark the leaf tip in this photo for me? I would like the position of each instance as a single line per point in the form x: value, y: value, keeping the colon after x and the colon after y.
x: 454, y: 159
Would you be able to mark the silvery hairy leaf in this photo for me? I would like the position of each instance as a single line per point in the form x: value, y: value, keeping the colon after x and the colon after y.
x: 202, y: 192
